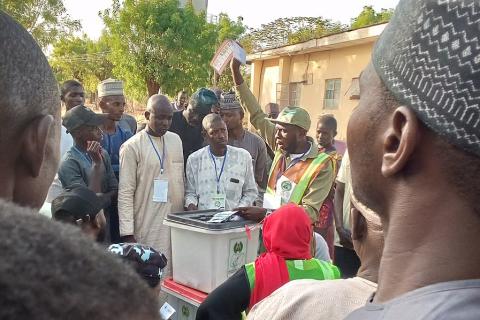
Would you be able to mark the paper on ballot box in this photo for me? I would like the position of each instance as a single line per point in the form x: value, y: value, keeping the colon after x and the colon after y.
x: 225, y: 53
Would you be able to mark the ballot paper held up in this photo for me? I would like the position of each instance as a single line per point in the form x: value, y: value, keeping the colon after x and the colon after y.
x: 228, y: 49
x: 222, y: 216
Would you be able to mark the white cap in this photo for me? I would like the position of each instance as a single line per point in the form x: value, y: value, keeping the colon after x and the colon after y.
x: 110, y: 87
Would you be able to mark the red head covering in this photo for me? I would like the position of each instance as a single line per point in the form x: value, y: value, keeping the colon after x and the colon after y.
x: 286, y: 234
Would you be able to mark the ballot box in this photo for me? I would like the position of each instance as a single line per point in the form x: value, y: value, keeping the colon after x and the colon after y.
x: 206, y: 253
x: 183, y: 299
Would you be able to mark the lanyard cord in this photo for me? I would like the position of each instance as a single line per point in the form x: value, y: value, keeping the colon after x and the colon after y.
x: 292, y: 163
x: 162, y: 158
x: 218, y: 176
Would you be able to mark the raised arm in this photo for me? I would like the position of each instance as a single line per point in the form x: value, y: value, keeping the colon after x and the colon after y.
x: 249, y: 103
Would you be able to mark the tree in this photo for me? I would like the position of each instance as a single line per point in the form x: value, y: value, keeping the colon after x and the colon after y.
x: 83, y: 59
x: 155, y: 44
x: 46, y: 20
x: 285, y: 31
x: 369, y: 16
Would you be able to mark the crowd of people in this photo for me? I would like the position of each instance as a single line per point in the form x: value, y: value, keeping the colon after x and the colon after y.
x: 384, y: 230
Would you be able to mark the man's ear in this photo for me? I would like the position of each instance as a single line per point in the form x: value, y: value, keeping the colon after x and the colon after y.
x: 400, y: 140
x: 359, y: 224
x: 34, y: 140
x: 147, y: 115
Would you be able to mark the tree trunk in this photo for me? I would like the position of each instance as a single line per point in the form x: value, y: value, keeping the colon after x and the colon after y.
x: 152, y: 87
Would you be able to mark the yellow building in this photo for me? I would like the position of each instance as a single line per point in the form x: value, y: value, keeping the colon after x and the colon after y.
x: 320, y: 75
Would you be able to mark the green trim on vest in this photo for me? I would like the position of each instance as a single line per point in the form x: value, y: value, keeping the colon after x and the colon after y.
x: 302, y: 185
x: 278, y: 155
x: 301, y: 269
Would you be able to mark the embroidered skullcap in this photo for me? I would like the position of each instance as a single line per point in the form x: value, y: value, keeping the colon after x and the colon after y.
x: 429, y: 58
x: 229, y: 101
x: 110, y: 87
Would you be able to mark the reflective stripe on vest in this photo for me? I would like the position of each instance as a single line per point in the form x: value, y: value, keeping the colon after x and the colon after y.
x: 305, y: 180
x: 301, y: 269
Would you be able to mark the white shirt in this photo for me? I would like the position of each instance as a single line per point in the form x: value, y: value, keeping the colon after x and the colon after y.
x: 344, y: 177
x: 314, y: 299
x: 236, y: 182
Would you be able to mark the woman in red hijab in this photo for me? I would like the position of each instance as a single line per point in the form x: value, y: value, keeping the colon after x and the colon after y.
x: 287, y: 234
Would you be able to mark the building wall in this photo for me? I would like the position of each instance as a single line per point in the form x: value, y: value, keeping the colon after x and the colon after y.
x: 199, y: 5
x: 343, y: 63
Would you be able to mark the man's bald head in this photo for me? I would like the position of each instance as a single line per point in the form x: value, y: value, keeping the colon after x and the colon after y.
x: 158, y: 101
x: 272, y: 110
x: 30, y: 121
x: 211, y: 119
x: 159, y: 115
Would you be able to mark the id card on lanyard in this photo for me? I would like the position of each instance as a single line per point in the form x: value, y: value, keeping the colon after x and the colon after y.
x: 218, y: 200
x: 160, y: 184
x: 283, y: 186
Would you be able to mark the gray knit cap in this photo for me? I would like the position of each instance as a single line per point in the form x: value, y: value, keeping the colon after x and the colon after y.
x: 429, y: 58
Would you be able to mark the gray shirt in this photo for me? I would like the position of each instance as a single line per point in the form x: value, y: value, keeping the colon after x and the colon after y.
x: 447, y: 300
x: 258, y: 150
x: 75, y: 170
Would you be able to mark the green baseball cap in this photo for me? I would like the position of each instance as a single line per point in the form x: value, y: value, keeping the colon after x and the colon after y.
x: 82, y: 116
x: 295, y: 116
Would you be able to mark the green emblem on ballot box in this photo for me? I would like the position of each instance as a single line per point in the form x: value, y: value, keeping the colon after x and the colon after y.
x: 185, y: 311
x: 238, y: 247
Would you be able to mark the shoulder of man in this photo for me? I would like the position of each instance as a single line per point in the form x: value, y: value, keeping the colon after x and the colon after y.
x: 256, y: 137
x: 198, y: 154
x: 240, y: 152
x: 173, y: 137
x: 127, y: 122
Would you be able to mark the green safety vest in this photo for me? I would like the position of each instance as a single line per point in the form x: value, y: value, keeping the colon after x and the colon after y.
x: 305, y: 180
x: 301, y: 269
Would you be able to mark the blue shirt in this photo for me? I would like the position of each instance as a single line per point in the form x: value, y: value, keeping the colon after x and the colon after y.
x: 112, y: 143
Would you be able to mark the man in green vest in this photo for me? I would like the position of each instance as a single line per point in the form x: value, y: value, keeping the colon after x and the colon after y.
x: 299, y: 172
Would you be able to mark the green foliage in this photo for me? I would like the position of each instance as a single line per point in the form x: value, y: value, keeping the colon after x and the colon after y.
x: 369, y: 16
x: 286, y: 31
x: 156, y: 45
x: 83, y: 59
x: 46, y: 20
x: 228, y: 29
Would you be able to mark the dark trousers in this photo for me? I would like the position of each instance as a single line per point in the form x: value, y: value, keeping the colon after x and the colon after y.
x: 347, y: 261
x: 113, y: 224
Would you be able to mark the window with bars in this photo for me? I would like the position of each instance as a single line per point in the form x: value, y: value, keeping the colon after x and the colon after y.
x: 288, y: 94
x: 353, y: 93
x: 332, y: 93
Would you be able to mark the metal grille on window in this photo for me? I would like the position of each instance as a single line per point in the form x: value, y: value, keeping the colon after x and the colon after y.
x: 288, y: 94
x: 332, y: 93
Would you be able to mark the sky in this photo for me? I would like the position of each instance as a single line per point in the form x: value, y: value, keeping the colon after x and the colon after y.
x: 254, y: 12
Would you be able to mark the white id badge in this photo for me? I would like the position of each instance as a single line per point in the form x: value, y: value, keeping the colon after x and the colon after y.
x: 166, y: 311
x: 160, y: 190
x: 271, y: 201
x: 218, y: 201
